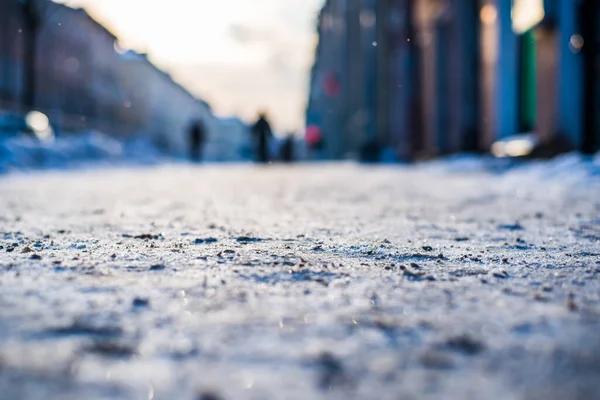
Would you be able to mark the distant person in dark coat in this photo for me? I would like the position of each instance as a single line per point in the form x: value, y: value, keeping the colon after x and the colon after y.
x: 287, y: 149
x: 197, y: 137
x: 261, y: 132
x: 369, y: 151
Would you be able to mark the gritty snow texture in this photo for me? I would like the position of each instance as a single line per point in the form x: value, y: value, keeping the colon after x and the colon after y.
x: 322, y: 281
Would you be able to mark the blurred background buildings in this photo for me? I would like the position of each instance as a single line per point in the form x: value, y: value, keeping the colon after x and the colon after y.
x: 60, y: 61
x: 422, y: 78
x: 392, y: 79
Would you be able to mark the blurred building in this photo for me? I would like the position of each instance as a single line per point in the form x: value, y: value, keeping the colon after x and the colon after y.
x: 363, y: 86
x: 326, y: 104
x: 76, y: 81
x: 11, y: 53
x: 233, y: 142
x: 155, y: 105
x: 434, y: 77
x: 397, y: 122
x: 546, y: 68
x: 60, y: 61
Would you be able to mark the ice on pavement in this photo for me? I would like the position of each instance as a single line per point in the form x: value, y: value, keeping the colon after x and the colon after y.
x: 452, y: 279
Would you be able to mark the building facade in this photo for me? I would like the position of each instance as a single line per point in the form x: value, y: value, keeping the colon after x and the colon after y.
x: 435, y: 77
x: 79, y: 76
x: 327, y: 104
x: 11, y: 54
x: 363, y: 89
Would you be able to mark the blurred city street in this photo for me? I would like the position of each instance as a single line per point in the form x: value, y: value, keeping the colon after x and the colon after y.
x: 455, y: 279
x: 366, y: 199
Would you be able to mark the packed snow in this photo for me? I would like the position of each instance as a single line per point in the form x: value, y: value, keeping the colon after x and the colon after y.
x: 452, y: 279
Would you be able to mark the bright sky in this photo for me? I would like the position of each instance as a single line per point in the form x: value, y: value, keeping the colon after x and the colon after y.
x: 239, y: 55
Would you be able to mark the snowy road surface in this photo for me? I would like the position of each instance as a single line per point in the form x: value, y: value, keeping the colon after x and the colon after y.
x: 331, y: 281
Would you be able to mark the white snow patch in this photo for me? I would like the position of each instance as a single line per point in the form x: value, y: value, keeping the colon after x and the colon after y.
x: 573, y: 168
x: 25, y: 153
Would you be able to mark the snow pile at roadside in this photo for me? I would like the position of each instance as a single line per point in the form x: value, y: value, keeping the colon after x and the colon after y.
x: 23, y: 153
x: 465, y: 164
x: 92, y: 148
x: 572, y: 167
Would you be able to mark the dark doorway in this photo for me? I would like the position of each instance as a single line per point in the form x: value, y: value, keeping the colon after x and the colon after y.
x: 470, y: 37
x: 442, y: 80
x: 590, y: 36
x: 527, y: 82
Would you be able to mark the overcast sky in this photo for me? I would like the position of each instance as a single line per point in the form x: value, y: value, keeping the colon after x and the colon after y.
x: 239, y: 55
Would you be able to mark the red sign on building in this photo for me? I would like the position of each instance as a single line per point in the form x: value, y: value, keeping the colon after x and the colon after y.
x: 331, y: 85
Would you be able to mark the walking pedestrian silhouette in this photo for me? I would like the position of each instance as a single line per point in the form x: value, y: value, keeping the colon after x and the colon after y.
x: 197, y: 137
x: 261, y: 134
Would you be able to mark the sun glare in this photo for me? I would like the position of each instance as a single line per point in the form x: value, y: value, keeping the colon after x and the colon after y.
x: 179, y: 35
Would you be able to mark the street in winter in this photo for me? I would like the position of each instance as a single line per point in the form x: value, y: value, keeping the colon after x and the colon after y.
x: 299, y: 199
x: 455, y: 279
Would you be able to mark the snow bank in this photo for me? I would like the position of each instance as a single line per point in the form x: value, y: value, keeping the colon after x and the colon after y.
x: 25, y: 153
x: 572, y: 167
x: 21, y: 153
x: 467, y: 163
